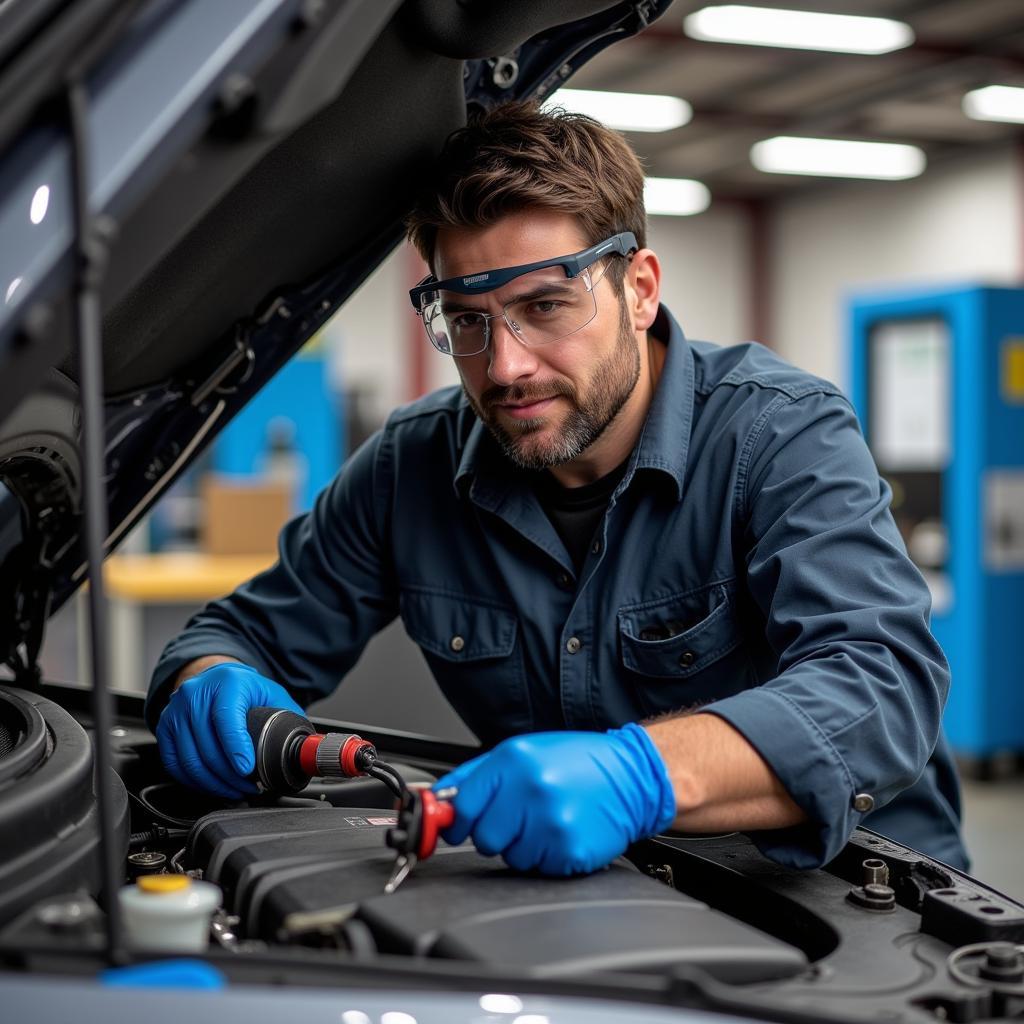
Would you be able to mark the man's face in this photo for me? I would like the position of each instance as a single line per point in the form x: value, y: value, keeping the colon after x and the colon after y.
x: 546, y: 405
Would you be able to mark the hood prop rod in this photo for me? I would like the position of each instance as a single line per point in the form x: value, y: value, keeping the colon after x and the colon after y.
x: 91, y: 241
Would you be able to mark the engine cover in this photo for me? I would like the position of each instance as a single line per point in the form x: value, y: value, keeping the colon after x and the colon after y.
x: 292, y: 875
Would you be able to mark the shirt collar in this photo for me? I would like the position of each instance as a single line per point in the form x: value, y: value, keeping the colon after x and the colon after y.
x: 664, y: 439
x: 478, y: 454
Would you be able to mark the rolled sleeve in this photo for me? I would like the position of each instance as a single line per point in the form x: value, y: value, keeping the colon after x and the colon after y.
x: 305, y: 621
x: 854, y: 711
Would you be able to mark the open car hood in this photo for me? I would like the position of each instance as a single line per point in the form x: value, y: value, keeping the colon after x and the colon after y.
x: 250, y: 163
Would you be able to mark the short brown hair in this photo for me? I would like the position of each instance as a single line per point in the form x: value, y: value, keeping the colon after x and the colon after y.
x: 517, y: 157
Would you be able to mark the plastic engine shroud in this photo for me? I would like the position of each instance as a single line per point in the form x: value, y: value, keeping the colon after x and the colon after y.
x: 285, y: 871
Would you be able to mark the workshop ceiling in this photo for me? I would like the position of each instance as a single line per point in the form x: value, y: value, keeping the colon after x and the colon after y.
x: 742, y: 94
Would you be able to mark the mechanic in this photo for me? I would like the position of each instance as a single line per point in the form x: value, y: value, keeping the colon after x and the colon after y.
x: 658, y: 578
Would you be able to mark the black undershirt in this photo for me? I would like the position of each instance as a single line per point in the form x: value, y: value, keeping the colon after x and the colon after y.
x: 576, y: 512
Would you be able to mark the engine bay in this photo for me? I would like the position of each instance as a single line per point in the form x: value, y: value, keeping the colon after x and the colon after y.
x: 706, y: 920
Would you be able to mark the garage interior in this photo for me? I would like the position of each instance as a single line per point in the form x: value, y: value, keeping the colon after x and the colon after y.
x: 792, y: 260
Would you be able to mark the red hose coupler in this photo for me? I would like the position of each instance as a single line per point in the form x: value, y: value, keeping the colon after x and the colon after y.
x: 333, y: 755
x: 307, y: 753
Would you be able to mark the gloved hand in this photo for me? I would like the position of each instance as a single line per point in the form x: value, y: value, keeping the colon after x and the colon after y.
x: 565, y: 803
x: 202, y: 733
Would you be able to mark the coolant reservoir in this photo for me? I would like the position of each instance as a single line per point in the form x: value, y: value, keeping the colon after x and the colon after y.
x: 168, y: 912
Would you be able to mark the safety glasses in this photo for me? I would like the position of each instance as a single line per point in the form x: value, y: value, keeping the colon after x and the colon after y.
x: 550, y: 300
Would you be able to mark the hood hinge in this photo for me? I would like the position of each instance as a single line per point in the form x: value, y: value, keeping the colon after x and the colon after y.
x: 31, y: 566
x: 32, y: 596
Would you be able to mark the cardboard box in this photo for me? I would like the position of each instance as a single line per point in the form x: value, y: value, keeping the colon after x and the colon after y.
x: 242, y: 516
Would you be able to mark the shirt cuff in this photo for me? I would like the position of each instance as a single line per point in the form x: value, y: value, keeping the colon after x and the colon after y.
x: 809, y: 767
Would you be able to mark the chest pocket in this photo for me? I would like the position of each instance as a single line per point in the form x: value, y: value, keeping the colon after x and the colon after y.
x: 472, y: 647
x: 684, y: 650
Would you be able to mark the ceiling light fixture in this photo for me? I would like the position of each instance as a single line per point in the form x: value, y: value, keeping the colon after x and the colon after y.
x: 995, y: 103
x: 675, y: 197
x: 798, y: 30
x: 625, y: 111
x: 838, y: 158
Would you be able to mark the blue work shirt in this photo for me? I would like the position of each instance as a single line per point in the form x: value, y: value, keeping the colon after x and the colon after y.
x: 747, y: 564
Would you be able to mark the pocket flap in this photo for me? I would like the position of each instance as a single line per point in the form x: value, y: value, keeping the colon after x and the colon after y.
x: 457, y: 627
x: 652, y: 647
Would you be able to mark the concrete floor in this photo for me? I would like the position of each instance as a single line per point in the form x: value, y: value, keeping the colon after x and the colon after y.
x: 994, y: 830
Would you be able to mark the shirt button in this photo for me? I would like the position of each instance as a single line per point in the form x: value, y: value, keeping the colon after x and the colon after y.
x: 457, y: 643
x: 863, y: 802
x: 573, y: 645
x: 564, y: 580
x: 686, y: 659
x: 596, y: 547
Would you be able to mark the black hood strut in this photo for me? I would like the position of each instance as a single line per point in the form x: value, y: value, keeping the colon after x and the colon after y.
x: 92, y: 235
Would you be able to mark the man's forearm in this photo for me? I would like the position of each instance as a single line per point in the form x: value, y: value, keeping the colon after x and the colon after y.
x: 197, y: 665
x: 721, y: 782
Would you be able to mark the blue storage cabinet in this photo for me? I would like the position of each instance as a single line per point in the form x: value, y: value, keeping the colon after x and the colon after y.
x: 937, y: 378
x: 299, y: 398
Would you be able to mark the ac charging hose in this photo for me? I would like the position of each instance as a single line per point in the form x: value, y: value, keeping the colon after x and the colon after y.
x: 290, y: 752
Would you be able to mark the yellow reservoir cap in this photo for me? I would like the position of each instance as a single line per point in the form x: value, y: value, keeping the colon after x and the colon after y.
x: 157, y: 884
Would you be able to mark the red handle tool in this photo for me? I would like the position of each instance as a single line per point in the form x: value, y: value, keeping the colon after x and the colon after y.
x: 289, y: 752
x: 422, y: 814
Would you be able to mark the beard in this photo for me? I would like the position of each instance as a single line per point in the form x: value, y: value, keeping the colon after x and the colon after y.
x: 590, y: 413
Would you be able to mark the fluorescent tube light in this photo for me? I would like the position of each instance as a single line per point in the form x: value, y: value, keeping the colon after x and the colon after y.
x: 838, y: 158
x: 798, y: 30
x: 675, y: 197
x: 995, y: 103
x: 625, y: 111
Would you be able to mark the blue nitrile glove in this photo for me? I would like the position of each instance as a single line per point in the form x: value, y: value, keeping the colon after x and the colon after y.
x: 202, y: 733
x: 565, y: 803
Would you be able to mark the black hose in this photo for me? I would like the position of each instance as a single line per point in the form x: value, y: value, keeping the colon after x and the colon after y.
x: 168, y: 819
x: 157, y: 834
x: 392, y: 780
x: 403, y: 785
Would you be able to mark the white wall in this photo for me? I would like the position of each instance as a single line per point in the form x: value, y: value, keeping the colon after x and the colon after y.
x: 705, y: 272
x: 369, y: 338
x: 958, y: 223
x: 961, y: 222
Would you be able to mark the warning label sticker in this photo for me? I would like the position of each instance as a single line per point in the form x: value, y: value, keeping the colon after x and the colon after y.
x: 388, y: 819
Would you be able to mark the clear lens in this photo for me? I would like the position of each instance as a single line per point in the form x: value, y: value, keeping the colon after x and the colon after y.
x: 437, y: 329
x: 457, y: 333
x: 539, y: 308
x: 549, y: 308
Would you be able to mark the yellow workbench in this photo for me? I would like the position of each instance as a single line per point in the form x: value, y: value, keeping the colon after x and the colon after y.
x: 182, y: 580
x: 179, y: 576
